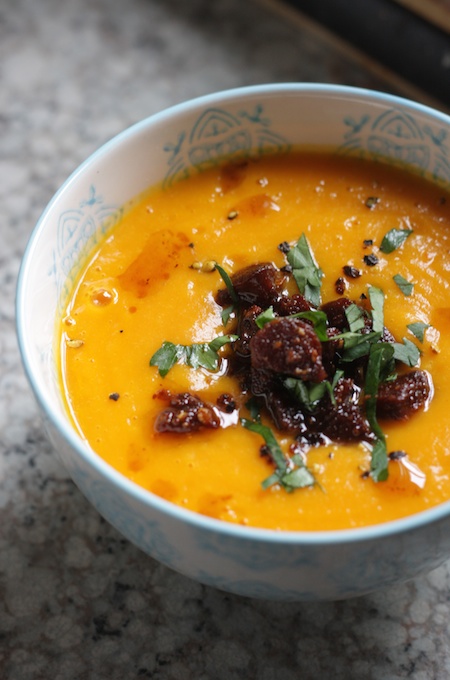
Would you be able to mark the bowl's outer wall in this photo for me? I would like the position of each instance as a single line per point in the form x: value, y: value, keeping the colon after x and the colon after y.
x: 294, y: 570
x: 169, y: 147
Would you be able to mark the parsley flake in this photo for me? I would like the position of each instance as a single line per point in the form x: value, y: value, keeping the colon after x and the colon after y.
x: 380, y: 361
x: 376, y: 297
x: 307, y: 274
x: 197, y: 355
x: 355, y: 317
x: 418, y: 329
x: 405, y: 286
x: 227, y: 312
x: 406, y: 352
x: 290, y: 473
x: 394, y: 239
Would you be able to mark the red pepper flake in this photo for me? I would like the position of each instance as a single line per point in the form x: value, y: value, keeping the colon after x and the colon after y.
x: 371, y: 260
x: 114, y: 396
x: 284, y: 247
x: 396, y: 455
x: 352, y: 272
x: 287, y: 269
x: 339, y: 285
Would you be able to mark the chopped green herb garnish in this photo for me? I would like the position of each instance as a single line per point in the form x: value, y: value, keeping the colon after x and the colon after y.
x: 418, y: 329
x: 291, y: 473
x: 316, y: 316
x: 197, y: 355
x: 376, y: 297
x: 309, y: 394
x: 306, y: 272
x: 265, y: 317
x: 318, y: 320
x: 228, y: 311
x: 357, y: 345
x: 227, y: 281
x: 355, y: 317
x: 405, y: 286
x: 379, y: 461
x: 406, y: 352
x: 380, y: 359
x: 253, y: 408
x: 166, y: 357
x: 394, y: 239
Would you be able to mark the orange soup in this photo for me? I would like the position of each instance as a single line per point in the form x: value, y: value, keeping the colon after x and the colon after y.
x: 268, y: 343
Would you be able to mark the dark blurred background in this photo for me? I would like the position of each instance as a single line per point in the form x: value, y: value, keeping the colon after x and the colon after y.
x: 409, y: 37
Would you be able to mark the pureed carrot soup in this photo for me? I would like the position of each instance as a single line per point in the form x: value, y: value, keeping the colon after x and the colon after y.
x: 268, y: 343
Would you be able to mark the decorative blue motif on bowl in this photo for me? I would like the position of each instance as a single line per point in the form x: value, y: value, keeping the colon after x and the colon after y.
x: 219, y: 135
x: 79, y: 230
x: 398, y: 138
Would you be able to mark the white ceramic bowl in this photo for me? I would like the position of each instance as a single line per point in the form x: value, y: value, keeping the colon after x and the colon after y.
x: 168, y: 146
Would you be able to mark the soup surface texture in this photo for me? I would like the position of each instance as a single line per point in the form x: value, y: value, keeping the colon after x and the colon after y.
x: 153, y: 281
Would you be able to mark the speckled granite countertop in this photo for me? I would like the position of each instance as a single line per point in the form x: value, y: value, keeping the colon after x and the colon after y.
x: 76, y: 600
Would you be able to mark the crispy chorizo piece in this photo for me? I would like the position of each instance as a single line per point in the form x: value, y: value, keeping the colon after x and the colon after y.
x: 226, y: 402
x: 284, y: 410
x: 258, y: 284
x: 247, y: 328
x: 186, y: 413
x: 399, y: 399
x: 292, y: 304
x: 344, y: 420
x: 335, y: 311
x: 288, y: 346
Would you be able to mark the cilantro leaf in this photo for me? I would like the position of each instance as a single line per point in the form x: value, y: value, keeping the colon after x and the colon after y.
x: 357, y: 345
x: 204, y: 354
x: 318, y: 320
x: 253, y: 407
x: 355, y: 317
x: 380, y: 357
x: 376, y: 297
x: 228, y: 311
x: 307, y: 394
x: 406, y: 352
x: 265, y: 317
x: 220, y: 341
x: 405, y: 286
x: 418, y: 329
x: 379, y: 461
x: 305, y: 271
x: 394, y: 239
x: 228, y: 283
x: 290, y: 474
x: 166, y: 357
x: 316, y: 316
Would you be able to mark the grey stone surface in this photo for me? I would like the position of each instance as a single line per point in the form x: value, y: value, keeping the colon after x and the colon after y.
x: 77, y: 601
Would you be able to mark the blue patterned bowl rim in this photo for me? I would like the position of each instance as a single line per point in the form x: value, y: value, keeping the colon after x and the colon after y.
x: 116, y: 479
